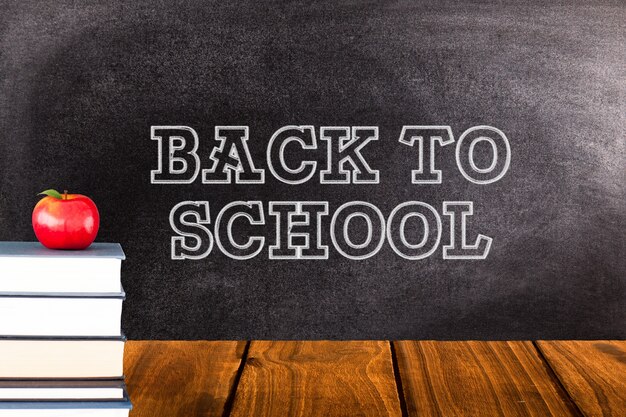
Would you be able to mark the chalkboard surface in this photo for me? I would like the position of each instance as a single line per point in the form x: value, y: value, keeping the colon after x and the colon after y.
x: 82, y: 83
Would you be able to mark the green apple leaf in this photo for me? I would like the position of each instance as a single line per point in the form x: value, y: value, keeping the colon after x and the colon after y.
x: 52, y: 193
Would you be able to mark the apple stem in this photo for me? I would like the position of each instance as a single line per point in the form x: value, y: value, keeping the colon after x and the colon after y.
x: 64, y: 194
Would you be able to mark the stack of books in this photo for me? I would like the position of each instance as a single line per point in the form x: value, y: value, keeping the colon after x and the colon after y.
x: 61, y: 342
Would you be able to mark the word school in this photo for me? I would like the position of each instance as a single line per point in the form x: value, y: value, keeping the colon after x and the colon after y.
x: 298, y: 224
x: 298, y: 231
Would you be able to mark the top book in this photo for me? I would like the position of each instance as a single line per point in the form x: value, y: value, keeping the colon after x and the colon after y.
x: 30, y: 267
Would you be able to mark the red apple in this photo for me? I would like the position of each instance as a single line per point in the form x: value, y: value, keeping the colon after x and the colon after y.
x: 65, y: 221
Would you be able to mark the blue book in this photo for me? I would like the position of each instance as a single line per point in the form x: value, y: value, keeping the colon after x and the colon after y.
x: 24, y: 390
x: 30, y: 267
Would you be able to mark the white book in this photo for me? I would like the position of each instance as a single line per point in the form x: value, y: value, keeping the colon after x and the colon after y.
x: 110, y: 411
x: 40, y: 390
x: 52, y: 314
x: 92, y: 357
x: 30, y: 267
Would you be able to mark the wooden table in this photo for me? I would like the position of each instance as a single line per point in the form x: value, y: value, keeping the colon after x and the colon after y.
x: 376, y: 378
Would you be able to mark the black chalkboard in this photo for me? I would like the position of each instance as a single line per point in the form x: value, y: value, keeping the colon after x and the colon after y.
x: 82, y: 84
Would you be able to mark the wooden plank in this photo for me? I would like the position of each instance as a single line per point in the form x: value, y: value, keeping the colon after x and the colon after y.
x: 319, y: 378
x: 593, y: 372
x: 172, y: 379
x: 478, y: 379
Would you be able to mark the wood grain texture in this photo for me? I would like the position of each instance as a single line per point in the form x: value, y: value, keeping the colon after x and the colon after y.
x: 320, y: 378
x: 478, y: 379
x: 190, y: 379
x: 593, y: 372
